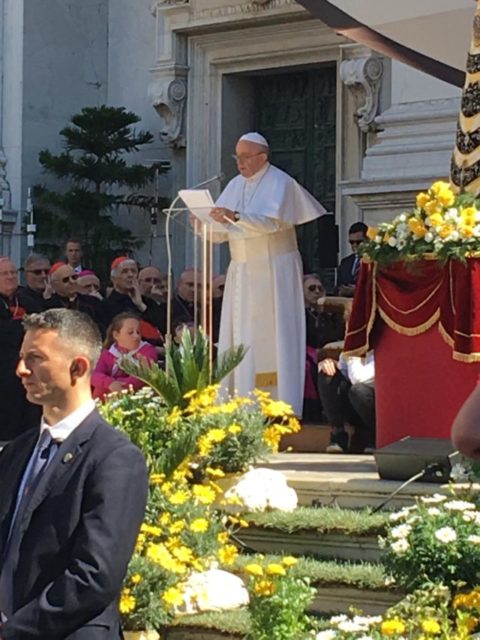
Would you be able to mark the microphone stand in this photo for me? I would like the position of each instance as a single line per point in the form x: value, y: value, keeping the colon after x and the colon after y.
x: 169, y: 213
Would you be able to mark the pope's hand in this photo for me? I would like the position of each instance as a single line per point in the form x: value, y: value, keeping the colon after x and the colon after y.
x: 221, y: 214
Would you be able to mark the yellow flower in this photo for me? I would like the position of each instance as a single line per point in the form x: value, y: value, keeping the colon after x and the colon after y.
x: 157, y: 478
x: 272, y: 438
x: 422, y: 199
x: 228, y: 554
x: 254, y: 569
x: 136, y: 578
x: 445, y: 230
x: 431, y: 627
x: 205, y: 446
x: 215, y: 473
x: 392, y: 627
x: 216, y: 435
x: 466, y: 230
x: 127, y: 602
x: 276, y: 570
x: 436, y: 219
x: 289, y: 561
x: 234, y: 429
x: 179, y: 497
x: 177, y: 527
x: 183, y: 554
x: 223, y: 537
x: 277, y: 409
x: 173, y: 597
x: 417, y: 227
x: 165, y: 518
x: 372, y: 233
x: 433, y: 208
x: 264, y: 588
x: 446, y: 197
x: 174, y: 416
x: 468, y: 216
x: 204, y: 494
x: 150, y: 530
x: 199, y: 525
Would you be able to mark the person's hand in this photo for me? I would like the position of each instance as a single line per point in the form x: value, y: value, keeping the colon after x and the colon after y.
x: 48, y: 291
x: 156, y: 293
x: 116, y: 386
x: 221, y: 214
x: 347, y: 290
x: 136, y: 297
x: 329, y: 366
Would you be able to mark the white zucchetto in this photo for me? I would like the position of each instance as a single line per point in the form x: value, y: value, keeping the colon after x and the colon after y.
x: 253, y: 136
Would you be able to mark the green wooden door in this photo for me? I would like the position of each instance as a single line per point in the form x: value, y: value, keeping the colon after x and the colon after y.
x: 297, y: 114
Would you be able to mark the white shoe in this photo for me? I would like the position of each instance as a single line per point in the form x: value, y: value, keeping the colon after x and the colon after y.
x: 334, y: 448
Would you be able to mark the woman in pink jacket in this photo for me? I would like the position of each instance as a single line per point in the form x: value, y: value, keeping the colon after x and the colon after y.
x: 123, y: 338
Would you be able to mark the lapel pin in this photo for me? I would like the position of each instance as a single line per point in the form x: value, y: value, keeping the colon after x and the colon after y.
x: 67, y: 457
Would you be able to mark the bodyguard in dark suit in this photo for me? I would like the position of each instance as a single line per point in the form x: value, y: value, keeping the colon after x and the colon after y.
x: 347, y: 272
x: 72, y: 495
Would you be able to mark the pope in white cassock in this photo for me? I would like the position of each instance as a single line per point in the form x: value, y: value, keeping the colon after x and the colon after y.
x: 263, y: 306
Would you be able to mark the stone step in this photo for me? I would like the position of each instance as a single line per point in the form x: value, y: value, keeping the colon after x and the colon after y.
x: 312, y: 438
x: 345, y: 480
x: 325, y: 546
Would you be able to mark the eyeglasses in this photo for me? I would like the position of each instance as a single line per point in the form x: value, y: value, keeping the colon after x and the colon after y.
x: 243, y: 158
x: 73, y: 277
x: 38, y: 272
x: 355, y: 242
x: 8, y: 273
x: 315, y: 287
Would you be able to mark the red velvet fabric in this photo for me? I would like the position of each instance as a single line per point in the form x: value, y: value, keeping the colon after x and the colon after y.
x: 411, y: 297
x: 419, y: 386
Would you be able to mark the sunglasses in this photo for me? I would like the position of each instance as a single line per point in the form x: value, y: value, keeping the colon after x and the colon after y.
x: 355, y: 242
x: 38, y: 272
x: 73, y: 277
x: 315, y: 287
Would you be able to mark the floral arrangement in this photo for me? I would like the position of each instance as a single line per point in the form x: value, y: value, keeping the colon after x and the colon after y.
x: 430, y: 612
x: 278, y: 601
x: 435, y: 540
x: 226, y: 436
x: 441, y: 224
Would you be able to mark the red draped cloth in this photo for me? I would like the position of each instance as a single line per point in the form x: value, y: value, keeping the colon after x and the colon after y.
x: 423, y: 321
x: 411, y: 297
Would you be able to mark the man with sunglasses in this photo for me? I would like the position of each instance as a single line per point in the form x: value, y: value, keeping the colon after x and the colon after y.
x: 263, y: 306
x: 63, y: 280
x: 36, y: 268
x: 349, y: 267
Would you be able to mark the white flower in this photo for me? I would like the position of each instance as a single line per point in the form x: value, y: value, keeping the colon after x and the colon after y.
x: 459, y: 505
x: 349, y: 626
x: 459, y: 473
x: 401, y: 531
x: 378, y: 239
x: 389, y: 580
x: 392, y: 241
x: 337, y: 619
x: 474, y: 539
x: 402, y: 217
x: 428, y: 237
x: 446, y: 535
x: 329, y: 634
x: 476, y: 230
x: 382, y: 543
x: 400, y: 546
x: 451, y: 214
x: 401, y: 244
x: 437, y: 497
x: 433, y: 511
x: 454, y: 235
x: 469, y: 516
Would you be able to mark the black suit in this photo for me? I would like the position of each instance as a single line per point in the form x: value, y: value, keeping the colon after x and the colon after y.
x: 345, y: 275
x: 78, y: 533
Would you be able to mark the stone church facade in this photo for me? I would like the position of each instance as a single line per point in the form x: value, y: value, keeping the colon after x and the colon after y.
x: 362, y: 132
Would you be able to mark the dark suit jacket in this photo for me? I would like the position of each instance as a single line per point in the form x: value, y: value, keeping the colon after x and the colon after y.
x: 344, y: 271
x: 78, y: 533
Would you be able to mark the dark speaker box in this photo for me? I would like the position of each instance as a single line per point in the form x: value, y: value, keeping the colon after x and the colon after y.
x: 405, y: 458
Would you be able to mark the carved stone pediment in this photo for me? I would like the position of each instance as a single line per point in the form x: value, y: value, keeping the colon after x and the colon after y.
x: 363, y: 76
x: 168, y: 98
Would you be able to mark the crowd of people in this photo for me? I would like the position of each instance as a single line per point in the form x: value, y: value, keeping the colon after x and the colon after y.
x: 131, y: 314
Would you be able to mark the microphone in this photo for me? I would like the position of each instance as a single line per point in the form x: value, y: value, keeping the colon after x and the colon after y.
x: 219, y: 177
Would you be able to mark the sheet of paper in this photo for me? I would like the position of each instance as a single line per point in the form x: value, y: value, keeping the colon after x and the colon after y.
x: 200, y: 203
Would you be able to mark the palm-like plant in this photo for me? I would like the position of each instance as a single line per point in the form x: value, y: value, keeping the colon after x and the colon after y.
x: 188, y: 366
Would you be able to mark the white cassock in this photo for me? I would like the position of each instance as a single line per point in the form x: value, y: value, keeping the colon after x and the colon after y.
x: 263, y: 306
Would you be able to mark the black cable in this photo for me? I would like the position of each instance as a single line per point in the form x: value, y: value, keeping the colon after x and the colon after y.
x: 431, y: 469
